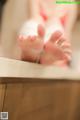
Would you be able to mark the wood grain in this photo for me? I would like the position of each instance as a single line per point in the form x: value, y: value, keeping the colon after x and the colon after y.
x: 2, y: 94
x: 43, y: 101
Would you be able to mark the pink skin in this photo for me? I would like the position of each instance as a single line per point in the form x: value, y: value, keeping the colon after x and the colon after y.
x: 56, y: 51
x: 31, y: 46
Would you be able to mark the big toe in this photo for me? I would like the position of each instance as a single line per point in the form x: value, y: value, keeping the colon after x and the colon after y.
x: 55, y: 36
x: 41, y: 30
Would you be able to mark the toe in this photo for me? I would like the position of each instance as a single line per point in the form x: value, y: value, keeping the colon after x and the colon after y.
x: 55, y: 36
x: 41, y: 30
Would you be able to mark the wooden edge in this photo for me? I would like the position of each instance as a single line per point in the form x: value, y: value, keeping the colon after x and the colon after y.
x: 2, y: 94
x: 34, y: 80
x: 10, y: 68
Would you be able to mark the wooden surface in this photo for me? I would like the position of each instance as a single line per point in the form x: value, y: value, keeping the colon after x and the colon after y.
x: 34, y: 92
x: 43, y: 101
x: 2, y: 95
x: 15, y: 68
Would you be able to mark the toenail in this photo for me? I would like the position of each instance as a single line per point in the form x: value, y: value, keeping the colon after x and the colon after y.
x: 33, y: 38
x: 20, y: 37
x: 44, y: 46
x: 58, y: 33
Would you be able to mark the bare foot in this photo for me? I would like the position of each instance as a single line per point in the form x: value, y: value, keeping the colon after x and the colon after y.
x: 57, y: 51
x: 31, y: 41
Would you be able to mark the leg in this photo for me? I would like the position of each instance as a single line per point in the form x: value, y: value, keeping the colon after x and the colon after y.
x: 57, y: 43
x: 31, y: 35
